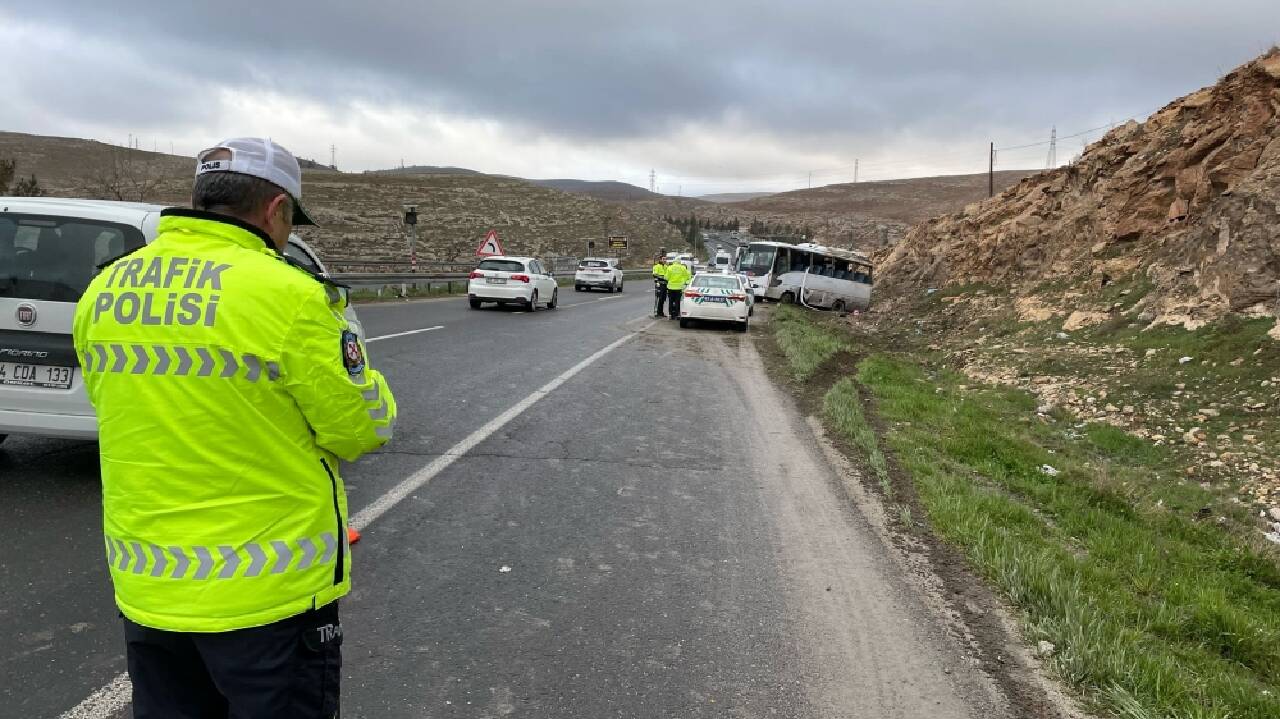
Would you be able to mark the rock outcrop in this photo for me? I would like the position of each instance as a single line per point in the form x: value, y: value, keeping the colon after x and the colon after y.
x: 1184, y: 204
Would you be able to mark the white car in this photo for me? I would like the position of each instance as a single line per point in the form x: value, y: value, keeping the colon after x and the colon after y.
x: 50, y: 249
x: 602, y: 272
x: 751, y: 293
x: 716, y: 298
x: 512, y: 280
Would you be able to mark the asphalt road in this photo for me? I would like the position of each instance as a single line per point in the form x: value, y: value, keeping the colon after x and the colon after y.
x: 605, y: 516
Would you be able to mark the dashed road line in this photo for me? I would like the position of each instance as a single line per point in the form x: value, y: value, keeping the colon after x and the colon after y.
x: 379, y: 338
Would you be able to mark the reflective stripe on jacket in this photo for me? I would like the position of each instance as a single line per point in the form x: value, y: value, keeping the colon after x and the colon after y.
x: 678, y: 276
x: 227, y: 386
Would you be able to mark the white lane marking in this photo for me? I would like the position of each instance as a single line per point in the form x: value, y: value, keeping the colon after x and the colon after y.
x: 103, y: 703
x: 402, y: 334
x: 113, y: 697
x: 414, y: 482
x: 602, y: 299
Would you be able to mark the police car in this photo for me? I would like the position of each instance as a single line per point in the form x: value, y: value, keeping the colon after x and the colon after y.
x: 50, y: 248
x: 715, y: 297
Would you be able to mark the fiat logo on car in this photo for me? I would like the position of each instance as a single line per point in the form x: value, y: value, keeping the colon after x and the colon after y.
x: 26, y: 314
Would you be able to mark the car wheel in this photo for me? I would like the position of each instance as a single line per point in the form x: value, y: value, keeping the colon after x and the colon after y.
x: 532, y: 304
x: 684, y: 324
x: 577, y: 288
x: 742, y: 326
x: 2, y: 438
x: 475, y: 304
x: 838, y: 306
x: 751, y: 312
x: 620, y: 284
x: 788, y: 298
x: 555, y: 299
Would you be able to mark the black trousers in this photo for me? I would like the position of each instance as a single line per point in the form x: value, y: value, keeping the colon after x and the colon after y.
x: 673, y: 303
x: 659, y: 299
x: 290, y: 669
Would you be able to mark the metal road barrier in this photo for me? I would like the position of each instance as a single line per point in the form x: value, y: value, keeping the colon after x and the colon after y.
x: 402, y: 284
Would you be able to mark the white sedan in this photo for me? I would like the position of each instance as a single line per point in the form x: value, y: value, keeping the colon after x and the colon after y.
x: 512, y: 280
x: 598, y: 272
x: 716, y: 298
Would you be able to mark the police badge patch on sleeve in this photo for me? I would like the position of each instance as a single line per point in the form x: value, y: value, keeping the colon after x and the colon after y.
x: 352, y: 355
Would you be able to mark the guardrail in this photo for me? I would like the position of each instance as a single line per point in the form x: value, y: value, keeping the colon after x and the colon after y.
x: 403, y: 284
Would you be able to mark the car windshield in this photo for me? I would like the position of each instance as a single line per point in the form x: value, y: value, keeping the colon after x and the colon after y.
x: 757, y: 260
x: 718, y: 282
x: 53, y: 258
x: 502, y: 265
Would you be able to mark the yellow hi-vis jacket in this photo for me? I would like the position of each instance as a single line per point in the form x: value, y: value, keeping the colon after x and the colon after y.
x: 660, y: 271
x: 227, y: 385
x: 678, y: 276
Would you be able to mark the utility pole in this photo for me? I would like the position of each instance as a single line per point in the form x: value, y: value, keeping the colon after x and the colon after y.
x: 855, y: 171
x: 333, y: 157
x: 811, y: 179
x: 652, y: 181
x: 1052, y: 160
x: 991, y: 171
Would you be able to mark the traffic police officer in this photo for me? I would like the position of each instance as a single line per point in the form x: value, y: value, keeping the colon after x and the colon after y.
x: 227, y: 385
x: 659, y: 284
x: 678, y: 276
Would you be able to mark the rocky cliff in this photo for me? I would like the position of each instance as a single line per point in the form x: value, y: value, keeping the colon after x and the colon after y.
x: 1182, y: 206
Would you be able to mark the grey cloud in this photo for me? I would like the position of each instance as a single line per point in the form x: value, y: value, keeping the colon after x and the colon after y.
x: 594, y: 70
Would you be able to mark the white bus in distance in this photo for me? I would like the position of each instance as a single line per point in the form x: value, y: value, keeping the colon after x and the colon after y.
x: 809, y: 274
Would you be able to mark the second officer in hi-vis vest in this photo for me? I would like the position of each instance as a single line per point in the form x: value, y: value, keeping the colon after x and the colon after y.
x: 227, y: 385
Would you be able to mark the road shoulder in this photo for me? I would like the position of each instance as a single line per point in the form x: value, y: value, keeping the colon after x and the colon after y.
x: 979, y: 630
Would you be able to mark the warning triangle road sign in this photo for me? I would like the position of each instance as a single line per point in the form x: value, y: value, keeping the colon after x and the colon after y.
x: 490, y: 245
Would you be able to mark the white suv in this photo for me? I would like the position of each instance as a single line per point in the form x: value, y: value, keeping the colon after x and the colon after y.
x: 49, y: 251
x: 603, y: 272
x: 512, y: 280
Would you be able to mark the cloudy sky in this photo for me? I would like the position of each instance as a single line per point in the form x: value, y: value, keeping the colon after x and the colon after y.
x: 714, y: 95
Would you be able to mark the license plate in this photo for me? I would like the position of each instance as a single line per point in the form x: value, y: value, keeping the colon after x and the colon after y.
x: 34, y: 375
x: 496, y: 280
x: 716, y: 300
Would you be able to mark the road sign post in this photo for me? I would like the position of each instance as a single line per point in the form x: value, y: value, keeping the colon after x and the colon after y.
x: 411, y: 226
x: 490, y: 245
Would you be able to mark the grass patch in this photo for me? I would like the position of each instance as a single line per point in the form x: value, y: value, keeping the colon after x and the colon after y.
x: 1213, y: 347
x: 1152, y: 613
x: 842, y: 407
x: 805, y: 344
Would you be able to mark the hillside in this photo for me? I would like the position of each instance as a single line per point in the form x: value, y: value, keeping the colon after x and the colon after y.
x: 1185, y: 202
x: 608, y: 190
x: 733, y: 196
x: 360, y: 214
x: 424, y: 170
x: 1136, y: 288
x: 866, y: 215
